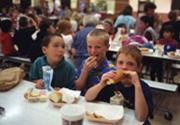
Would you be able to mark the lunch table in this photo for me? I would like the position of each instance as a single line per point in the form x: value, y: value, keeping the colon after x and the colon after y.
x: 18, y: 111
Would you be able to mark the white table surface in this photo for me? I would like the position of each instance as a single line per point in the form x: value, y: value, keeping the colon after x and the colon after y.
x: 115, y: 48
x: 21, y: 112
x: 161, y: 86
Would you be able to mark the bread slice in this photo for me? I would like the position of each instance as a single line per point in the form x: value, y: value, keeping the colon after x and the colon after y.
x: 118, y: 77
x: 56, y: 96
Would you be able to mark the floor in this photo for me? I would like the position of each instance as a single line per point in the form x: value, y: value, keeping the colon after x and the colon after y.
x: 172, y: 101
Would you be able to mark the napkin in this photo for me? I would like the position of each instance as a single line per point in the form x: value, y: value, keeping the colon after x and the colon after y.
x: 69, y: 96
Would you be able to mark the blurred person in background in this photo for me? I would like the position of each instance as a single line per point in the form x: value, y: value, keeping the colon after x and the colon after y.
x: 6, y: 44
x: 22, y: 37
x: 64, y: 27
x: 45, y: 28
x: 79, y: 45
x: 126, y: 18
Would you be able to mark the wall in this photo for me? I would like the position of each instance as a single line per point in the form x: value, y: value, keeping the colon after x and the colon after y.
x: 163, y: 6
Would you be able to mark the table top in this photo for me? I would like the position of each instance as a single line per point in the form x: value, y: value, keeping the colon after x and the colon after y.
x: 161, y: 86
x: 21, y: 112
x: 115, y: 48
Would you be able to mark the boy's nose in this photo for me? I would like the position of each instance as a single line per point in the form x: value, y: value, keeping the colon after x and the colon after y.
x: 61, y: 49
x: 124, y: 67
x: 93, y: 51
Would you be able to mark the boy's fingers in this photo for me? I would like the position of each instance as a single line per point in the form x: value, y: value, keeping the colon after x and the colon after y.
x: 91, y: 58
x: 39, y: 84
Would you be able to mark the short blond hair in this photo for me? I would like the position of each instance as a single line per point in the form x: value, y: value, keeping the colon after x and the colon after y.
x: 100, y: 34
x: 133, y: 51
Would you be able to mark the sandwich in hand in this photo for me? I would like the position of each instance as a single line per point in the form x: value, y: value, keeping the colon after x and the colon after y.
x: 119, y: 75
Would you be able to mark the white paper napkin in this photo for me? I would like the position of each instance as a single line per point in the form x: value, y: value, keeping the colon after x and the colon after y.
x: 69, y: 96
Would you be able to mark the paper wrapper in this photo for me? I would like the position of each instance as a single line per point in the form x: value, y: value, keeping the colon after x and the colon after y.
x: 69, y: 96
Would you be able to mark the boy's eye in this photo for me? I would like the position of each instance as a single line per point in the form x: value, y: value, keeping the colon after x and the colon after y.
x: 58, y: 45
x: 130, y: 64
x: 97, y: 47
x: 120, y: 62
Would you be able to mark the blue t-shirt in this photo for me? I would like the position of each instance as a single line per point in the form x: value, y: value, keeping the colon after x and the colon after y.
x: 129, y: 95
x: 80, y: 43
x: 63, y: 74
x: 95, y: 74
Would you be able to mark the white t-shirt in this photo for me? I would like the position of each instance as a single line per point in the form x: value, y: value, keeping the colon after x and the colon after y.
x: 68, y: 39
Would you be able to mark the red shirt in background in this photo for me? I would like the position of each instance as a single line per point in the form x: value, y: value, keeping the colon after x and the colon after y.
x: 6, y: 43
x: 172, y: 42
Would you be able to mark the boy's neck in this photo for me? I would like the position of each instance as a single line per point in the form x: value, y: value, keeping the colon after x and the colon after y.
x: 53, y: 64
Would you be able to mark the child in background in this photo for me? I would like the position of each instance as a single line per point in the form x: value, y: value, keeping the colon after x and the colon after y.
x: 147, y: 29
x: 168, y: 37
x: 91, y: 70
x: 7, y: 47
x: 64, y: 73
x: 135, y: 91
x: 64, y: 27
x: 45, y: 28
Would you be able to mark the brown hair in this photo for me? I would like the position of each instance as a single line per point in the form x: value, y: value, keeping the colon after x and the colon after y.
x: 47, y: 39
x: 63, y: 25
x: 133, y: 51
x: 100, y: 34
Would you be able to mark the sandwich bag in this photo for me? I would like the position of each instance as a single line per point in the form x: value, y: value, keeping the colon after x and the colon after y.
x: 10, y: 77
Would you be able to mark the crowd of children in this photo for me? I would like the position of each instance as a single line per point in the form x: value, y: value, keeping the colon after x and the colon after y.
x: 77, y: 54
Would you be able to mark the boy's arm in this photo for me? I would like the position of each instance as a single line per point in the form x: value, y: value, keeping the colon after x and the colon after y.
x: 34, y: 75
x: 80, y: 82
x: 88, y: 65
x: 141, y: 107
x: 93, y: 92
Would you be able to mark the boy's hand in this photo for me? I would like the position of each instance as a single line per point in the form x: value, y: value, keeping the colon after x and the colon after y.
x: 105, y: 77
x: 133, y: 77
x: 39, y: 84
x: 90, y: 63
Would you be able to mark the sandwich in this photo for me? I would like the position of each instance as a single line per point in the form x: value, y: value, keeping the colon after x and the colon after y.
x: 144, y: 49
x: 171, y: 53
x: 120, y: 75
x: 34, y: 95
x: 56, y: 97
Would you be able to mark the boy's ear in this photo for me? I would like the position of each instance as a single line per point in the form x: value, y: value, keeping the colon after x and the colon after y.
x: 44, y: 49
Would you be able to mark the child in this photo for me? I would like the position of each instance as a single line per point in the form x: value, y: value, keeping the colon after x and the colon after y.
x: 91, y: 70
x: 7, y: 47
x: 64, y: 73
x: 64, y: 28
x: 168, y: 36
x: 136, y: 93
x: 147, y: 29
x: 45, y: 28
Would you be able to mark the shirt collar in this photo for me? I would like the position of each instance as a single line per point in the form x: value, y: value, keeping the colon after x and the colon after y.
x: 46, y: 63
x: 103, y: 64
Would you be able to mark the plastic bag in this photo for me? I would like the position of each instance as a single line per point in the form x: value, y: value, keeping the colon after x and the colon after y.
x: 10, y: 77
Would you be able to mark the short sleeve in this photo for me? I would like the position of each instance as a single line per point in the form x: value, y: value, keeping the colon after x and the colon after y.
x: 35, y: 71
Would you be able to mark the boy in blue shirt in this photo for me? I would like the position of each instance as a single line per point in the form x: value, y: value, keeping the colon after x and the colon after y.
x: 136, y: 92
x: 63, y: 72
x: 91, y: 70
